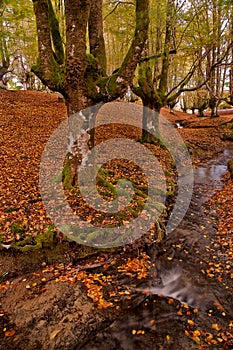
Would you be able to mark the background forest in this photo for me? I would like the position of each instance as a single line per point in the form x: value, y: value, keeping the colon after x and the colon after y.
x: 189, y: 48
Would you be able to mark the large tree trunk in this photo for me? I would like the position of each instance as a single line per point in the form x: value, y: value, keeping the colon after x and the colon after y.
x: 81, y: 77
x: 75, y: 86
x: 77, y: 89
x: 152, y: 89
x: 213, y: 104
x: 151, y: 103
x: 150, y: 124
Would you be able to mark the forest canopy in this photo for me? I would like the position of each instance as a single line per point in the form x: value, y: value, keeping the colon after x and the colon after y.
x: 189, y: 48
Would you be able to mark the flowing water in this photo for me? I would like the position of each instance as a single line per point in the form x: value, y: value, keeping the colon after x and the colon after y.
x: 214, y: 170
x: 175, y: 274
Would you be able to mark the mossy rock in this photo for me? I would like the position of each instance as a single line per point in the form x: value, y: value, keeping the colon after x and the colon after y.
x: 67, y: 176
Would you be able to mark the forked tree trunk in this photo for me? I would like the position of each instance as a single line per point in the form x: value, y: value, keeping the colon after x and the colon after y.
x: 153, y: 90
x: 80, y: 77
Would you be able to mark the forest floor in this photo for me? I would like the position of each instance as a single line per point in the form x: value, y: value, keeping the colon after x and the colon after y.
x: 56, y: 294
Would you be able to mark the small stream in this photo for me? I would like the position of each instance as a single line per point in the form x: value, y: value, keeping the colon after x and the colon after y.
x: 176, y: 275
x: 214, y: 170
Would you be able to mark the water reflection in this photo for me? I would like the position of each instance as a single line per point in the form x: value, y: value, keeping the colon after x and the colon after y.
x: 212, y: 171
x: 228, y: 152
x: 179, y: 126
x: 204, y: 175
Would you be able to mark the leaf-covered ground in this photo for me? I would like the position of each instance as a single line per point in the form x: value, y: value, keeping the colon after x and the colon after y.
x: 27, y: 121
x: 52, y: 299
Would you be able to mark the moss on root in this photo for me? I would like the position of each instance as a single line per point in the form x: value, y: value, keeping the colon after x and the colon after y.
x: 101, y: 181
x: 67, y: 177
x: 44, y: 240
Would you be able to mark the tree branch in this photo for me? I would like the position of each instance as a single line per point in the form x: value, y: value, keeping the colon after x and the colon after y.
x: 116, y: 85
x: 190, y: 74
x: 146, y: 59
x: 117, y: 4
x: 149, y: 58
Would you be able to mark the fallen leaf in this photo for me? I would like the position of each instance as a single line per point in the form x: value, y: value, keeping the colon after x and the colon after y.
x: 10, y: 333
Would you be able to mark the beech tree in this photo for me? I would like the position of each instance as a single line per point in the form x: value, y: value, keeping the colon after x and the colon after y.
x: 218, y: 46
x: 192, y: 51
x: 153, y: 84
x: 78, y: 72
x: 69, y: 68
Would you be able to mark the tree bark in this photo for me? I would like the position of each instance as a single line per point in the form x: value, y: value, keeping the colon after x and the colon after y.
x: 77, y: 14
x: 163, y: 85
x: 79, y: 78
x: 96, y: 38
x: 153, y: 97
x: 47, y: 69
x: 150, y: 124
x: 117, y: 84
x: 55, y: 35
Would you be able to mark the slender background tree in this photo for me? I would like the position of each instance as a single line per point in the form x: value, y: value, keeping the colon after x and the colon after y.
x: 18, y: 49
